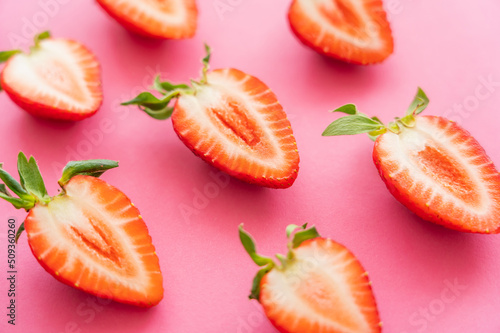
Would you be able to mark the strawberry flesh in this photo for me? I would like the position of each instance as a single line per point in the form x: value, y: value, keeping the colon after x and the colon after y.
x: 324, y: 289
x: 169, y: 19
x: 93, y: 238
x: 235, y: 123
x: 440, y: 172
x: 355, y: 31
x: 59, y: 79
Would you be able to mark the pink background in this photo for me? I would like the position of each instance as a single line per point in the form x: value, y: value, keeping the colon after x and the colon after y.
x: 447, y: 49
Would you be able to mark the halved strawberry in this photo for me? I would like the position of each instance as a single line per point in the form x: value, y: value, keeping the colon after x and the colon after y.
x: 432, y: 166
x: 354, y: 31
x: 233, y: 121
x: 90, y: 237
x: 319, y: 286
x: 170, y: 19
x: 59, y: 79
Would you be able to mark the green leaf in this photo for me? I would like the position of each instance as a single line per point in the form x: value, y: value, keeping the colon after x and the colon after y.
x: 283, y: 260
x: 206, y: 64
x: 161, y: 114
x: 378, y: 120
x: 408, y: 120
x: 350, y: 125
x: 375, y: 134
x: 372, y: 137
x: 18, y: 203
x: 145, y: 99
x: 94, y: 168
x: 19, y: 231
x: 41, y: 36
x: 292, y: 227
x: 348, y: 109
x: 156, y: 108
x: 255, y: 292
x: 30, y: 176
x: 3, y: 190
x: 394, y: 127
x: 165, y: 86
x: 249, y: 245
x: 13, y: 184
x: 304, y: 235
x: 419, y: 103
x: 206, y: 60
x: 5, y: 55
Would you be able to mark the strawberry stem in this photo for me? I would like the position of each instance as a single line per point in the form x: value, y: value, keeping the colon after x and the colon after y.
x: 41, y: 36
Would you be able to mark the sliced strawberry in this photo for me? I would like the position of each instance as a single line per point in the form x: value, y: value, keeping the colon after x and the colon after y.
x: 320, y: 286
x: 90, y: 237
x: 234, y: 122
x: 170, y: 19
x: 58, y: 79
x: 355, y: 31
x: 440, y: 172
x: 437, y: 169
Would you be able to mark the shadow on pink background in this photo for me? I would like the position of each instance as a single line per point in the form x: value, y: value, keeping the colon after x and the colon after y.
x: 425, y: 278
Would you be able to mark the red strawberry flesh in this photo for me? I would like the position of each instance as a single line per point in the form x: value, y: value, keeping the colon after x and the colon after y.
x: 354, y: 31
x: 439, y: 171
x: 93, y: 238
x: 236, y: 123
x: 59, y: 79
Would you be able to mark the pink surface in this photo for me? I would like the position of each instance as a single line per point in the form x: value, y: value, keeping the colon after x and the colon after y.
x: 448, y: 49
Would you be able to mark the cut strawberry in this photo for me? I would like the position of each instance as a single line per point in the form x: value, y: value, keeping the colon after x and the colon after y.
x: 432, y: 166
x: 319, y: 286
x: 90, y: 237
x: 355, y: 31
x: 170, y: 19
x: 234, y: 122
x: 59, y: 79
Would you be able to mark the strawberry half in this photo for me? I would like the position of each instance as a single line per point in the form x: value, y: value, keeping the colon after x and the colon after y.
x: 90, y: 237
x: 231, y: 120
x: 59, y: 79
x: 355, y: 31
x: 432, y: 166
x: 169, y: 19
x: 319, y: 286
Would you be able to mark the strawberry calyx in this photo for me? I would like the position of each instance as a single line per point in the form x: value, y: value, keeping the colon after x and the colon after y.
x: 6, y: 55
x: 356, y: 122
x: 94, y: 168
x: 30, y: 190
x: 160, y: 108
x: 296, y: 236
